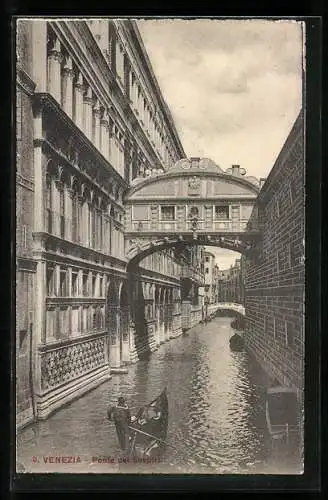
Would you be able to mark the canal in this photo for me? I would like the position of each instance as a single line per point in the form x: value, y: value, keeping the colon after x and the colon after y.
x: 216, y: 420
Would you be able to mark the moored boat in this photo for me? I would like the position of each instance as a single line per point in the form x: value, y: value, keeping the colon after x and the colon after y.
x: 236, y: 343
x: 282, y: 416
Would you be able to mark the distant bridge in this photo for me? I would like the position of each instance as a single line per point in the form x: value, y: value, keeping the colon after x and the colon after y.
x: 230, y: 306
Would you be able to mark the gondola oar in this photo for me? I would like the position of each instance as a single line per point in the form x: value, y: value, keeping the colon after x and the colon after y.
x: 152, y: 436
x: 156, y: 438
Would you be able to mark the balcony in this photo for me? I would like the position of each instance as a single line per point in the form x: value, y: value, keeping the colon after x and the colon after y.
x: 191, y: 273
x: 182, y: 226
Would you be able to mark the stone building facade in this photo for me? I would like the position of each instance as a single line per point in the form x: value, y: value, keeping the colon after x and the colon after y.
x: 231, y: 282
x: 211, y: 278
x: 90, y: 119
x: 274, y: 302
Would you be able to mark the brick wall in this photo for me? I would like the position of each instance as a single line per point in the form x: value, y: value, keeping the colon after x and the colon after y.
x: 275, y: 269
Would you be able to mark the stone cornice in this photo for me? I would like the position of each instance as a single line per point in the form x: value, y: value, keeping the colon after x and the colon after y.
x: 131, y: 28
x: 26, y: 264
x: 72, y: 247
x: 73, y: 36
x: 48, y: 147
x: 24, y: 80
x: 103, y: 79
x: 58, y: 344
x: 45, y: 101
x: 155, y: 277
x: 192, y: 200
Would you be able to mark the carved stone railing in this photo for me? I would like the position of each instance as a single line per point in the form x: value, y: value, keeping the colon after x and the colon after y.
x: 65, y: 362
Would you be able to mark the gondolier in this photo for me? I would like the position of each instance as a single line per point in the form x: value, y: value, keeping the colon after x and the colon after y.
x: 121, y: 417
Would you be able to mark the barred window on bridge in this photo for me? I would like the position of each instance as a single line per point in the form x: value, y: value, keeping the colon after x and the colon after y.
x: 168, y: 213
x: 222, y: 212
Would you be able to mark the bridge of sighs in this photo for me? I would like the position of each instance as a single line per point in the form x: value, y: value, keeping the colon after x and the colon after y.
x: 194, y: 203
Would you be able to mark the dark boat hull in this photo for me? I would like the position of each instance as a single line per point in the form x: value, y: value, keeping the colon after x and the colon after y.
x: 147, y: 436
x: 236, y: 343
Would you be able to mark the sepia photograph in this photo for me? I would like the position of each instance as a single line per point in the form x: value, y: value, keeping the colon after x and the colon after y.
x: 160, y: 245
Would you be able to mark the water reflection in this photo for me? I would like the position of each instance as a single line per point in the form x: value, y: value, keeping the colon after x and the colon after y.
x: 216, y: 402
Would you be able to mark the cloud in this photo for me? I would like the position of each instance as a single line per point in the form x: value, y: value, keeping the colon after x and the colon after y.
x: 233, y: 87
x: 223, y: 258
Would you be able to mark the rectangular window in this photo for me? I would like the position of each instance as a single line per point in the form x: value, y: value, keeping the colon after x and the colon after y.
x: 51, y: 281
x: 94, y: 318
x: 62, y: 212
x: 274, y: 328
x: 63, y: 284
x: 75, y: 321
x: 94, y: 281
x: 85, y: 319
x: 49, y: 205
x: 207, y: 270
x: 93, y: 227
x: 207, y: 259
x: 222, y: 212
x: 74, y: 284
x: 75, y: 209
x: 85, y: 284
x: 101, y: 287
x: 168, y: 213
x: 288, y: 333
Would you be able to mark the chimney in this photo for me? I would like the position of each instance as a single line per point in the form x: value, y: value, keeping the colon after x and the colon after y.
x: 262, y: 181
x: 194, y: 162
x: 235, y: 170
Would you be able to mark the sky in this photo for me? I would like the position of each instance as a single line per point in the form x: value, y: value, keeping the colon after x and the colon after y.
x: 234, y: 88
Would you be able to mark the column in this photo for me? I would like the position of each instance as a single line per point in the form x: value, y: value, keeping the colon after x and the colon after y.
x: 104, y: 135
x: 69, y: 309
x: 87, y: 112
x: 78, y: 100
x: 39, y: 324
x: 39, y: 202
x: 54, y: 70
x: 96, y: 114
x: 67, y: 87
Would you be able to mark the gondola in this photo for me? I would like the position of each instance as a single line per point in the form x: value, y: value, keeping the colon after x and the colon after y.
x: 148, y: 429
x: 236, y: 343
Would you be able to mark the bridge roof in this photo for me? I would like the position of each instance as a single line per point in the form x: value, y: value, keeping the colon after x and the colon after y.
x: 195, y: 168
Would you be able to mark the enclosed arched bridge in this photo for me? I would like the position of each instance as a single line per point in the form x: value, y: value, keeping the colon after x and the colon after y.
x: 194, y: 202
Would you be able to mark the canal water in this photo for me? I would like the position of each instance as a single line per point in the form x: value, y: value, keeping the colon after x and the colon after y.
x: 216, y: 414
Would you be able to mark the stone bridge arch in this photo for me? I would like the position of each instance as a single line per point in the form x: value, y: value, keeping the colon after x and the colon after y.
x: 194, y: 202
